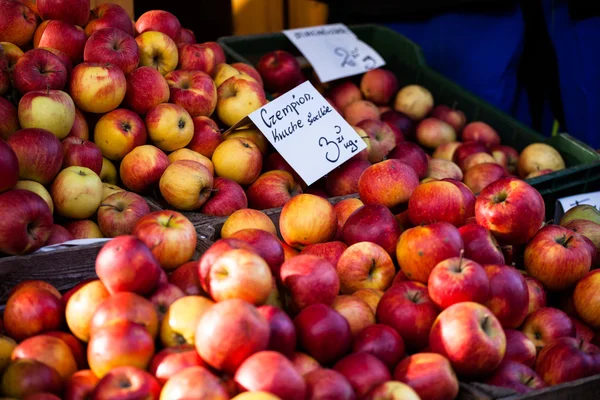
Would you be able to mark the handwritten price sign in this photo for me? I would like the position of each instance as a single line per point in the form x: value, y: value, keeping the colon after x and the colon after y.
x: 334, y: 51
x: 310, y: 135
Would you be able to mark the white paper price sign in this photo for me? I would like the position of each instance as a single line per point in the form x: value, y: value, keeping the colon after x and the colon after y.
x: 309, y: 134
x: 334, y: 51
x: 566, y: 203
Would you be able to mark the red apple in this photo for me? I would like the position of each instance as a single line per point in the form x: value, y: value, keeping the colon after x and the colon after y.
x: 437, y: 201
x: 80, y: 385
x: 381, y: 138
x: 193, y: 90
x: 215, y: 251
x: 357, y: 313
x: 429, y: 374
x: 458, y: 279
x: 343, y: 180
x: 501, y: 152
x: 516, y: 376
x: 364, y: 372
x: 119, y: 213
x: 265, y: 244
x: 546, y: 324
x: 26, y: 377
x: 172, y: 360
x: 537, y: 294
x: 509, y: 295
x: 304, y: 363
x: 194, y: 383
x: 382, y: 342
x: 586, y: 298
x: 228, y: 197
x: 280, y: 71
x: 480, y: 245
x: 345, y: 94
x: 567, y: 359
x: 442, y: 169
x: 39, y: 69
x: 480, y: 132
x: 200, y: 57
x: 63, y: 36
x: 328, y: 384
x: 365, y: 265
x: 186, y: 36
x: 272, y: 189
x: 362, y: 110
x: 465, y: 150
x: 50, y: 350
x: 185, y: 278
x: 75, y: 345
x: 412, y: 155
x: 81, y: 153
x: 75, y: 12
x: 39, y: 152
x: 379, y: 85
x: 9, y: 119
x: 401, y: 121
x: 481, y: 175
x: 471, y: 337
x: 390, y: 182
x: 162, y: 298
x: 9, y: 164
x: 519, y: 348
x: 109, y: 15
x: 283, y: 333
x: 127, y: 382
x: 582, y: 331
x: 207, y: 136
x: 330, y: 251
x: 590, y: 230
x: 112, y: 45
x: 372, y: 223
x: 58, y: 235
x: 17, y: 23
x: 159, y: 21
x: 452, y: 116
x: 146, y: 88
x: 511, y: 209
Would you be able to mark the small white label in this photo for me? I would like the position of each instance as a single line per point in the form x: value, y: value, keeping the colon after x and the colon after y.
x: 71, y: 244
x: 566, y: 203
x: 334, y: 51
x: 308, y: 133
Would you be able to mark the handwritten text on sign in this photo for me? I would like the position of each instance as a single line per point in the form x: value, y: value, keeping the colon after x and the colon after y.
x: 334, y: 51
x: 310, y: 135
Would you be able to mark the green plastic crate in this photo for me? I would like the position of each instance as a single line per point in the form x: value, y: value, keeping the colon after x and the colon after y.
x: 406, y: 60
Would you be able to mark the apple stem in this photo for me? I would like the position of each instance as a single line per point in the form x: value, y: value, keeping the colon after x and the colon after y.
x: 568, y: 240
x: 169, y: 220
x: 460, y: 259
x: 531, y: 378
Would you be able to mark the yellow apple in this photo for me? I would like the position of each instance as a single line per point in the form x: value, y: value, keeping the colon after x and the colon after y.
x: 119, y: 132
x: 186, y: 185
x: 108, y: 189
x: 97, y: 88
x: 224, y: 72
x: 181, y: 320
x: 77, y: 192
x: 247, y: 218
x: 187, y: 154
x: 38, y: 189
x: 238, y: 97
x: 157, y: 50
x: 170, y: 126
x: 108, y: 173
x: 239, y: 160
x: 254, y: 135
x: 52, y: 110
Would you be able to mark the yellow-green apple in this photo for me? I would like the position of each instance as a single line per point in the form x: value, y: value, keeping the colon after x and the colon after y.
x: 271, y: 372
x: 456, y: 118
x: 97, y: 88
x: 581, y: 211
x: 162, y: 298
x: 299, y: 228
x: 207, y: 136
x: 446, y: 151
x: 125, y: 306
x: 25, y: 222
x: 325, y: 345
x: 63, y: 36
x: 481, y: 175
x: 81, y: 153
x: 74, y: 12
x: 254, y: 135
x: 379, y: 85
x: 199, y: 57
x: 186, y: 36
x: 471, y: 337
x: 84, y: 229
x: 415, y: 101
x: 467, y: 149
x: 381, y: 341
x: 125, y: 264
x: 326, y: 383
x: 432, y: 133
x: 480, y: 132
x: 170, y: 127
x: 186, y: 185
x: 80, y: 385
x: 272, y: 189
x: 108, y: 189
x: 81, y: 307
x: 357, y: 313
x: 418, y: 258
x: 194, y: 382
x: 146, y: 88
x: 345, y: 94
x: 343, y: 180
x: 191, y: 155
x: 80, y: 128
x: 537, y: 294
x: 142, y: 168
x: 539, y: 156
x: 38, y: 189
x: 567, y: 359
x: 412, y: 155
x: 437, y: 201
x: 364, y: 372
x: 516, y: 376
x: 280, y: 71
x: 119, y: 132
x: 119, y: 213
x: 108, y: 174
x: 180, y: 322
x: 519, y: 348
x: 372, y: 223
x: 309, y: 280
x: 9, y: 119
x: 247, y: 69
x: 511, y: 209
x: 123, y: 343
x: 39, y: 69
x: 442, y: 169
x: 185, y: 277
x: 193, y: 90
x: 265, y: 244
x: 12, y: 53
x: 586, y: 299
x: 172, y: 360
x: 344, y: 209
x: 546, y: 324
x: 127, y: 381
x: 157, y: 50
x: 361, y: 110
x: 480, y: 245
x: 58, y: 235
x: 282, y: 331
x: 160, y: 21
x: 381, y: 137
x: 247, y: 218
x: 238, y: 97
x: 478, y: 158
x: 227, y: 197
x: 365, y: 265
x: 77, y: 192
x: 109, y: 15
x: 9, y: 164
x: 458, y: 279
x: 17, y: 23
x: 25, y: 377
x: 305, y: 364
x: 31, y: 311
x: 390, y: 182
x: 509, y: 295
x: 558, y: 257
x: 49, y: 350
x: 52, y: 110
x: 112, y: 45
x: 229, y: 332
x: 369, y: 296
x: 407, y: 308
x: 220, y: 247
x: 590, y: 230
x: 330, y: 251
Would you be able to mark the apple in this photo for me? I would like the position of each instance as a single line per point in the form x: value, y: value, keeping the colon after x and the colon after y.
x: 238, y: 97
x: 280, y: 71
x: 537, y: 157
x: 9, y: 119
x: 283, y: 332
x: 180, y: 322
x: 390, y: 182
x: 58, y: 235
x: 160, y: 21
x: 12, y: 52
x: 114, y: 46
x: 185, y: 277
x: 412, y: 155
x: 239, y: 160
x: 186, y: 185
x: 558, y: 257
x: 265, y: 244
x: 17, y: 23
x: 119, y: 213
x: 451, y: 116
x: 516, y: 376
x: 345, y: 94
x: 468, y: 197
x: 272, y: 189
x: 432, y: 133
x: 146, y: 88
x: 74, y: 12
x: 39, y: 69
x: 582, y: 331
x: 229, y: 332
x: 84, y: 229
x: 118, y: 132
x: 393, y: 390
x: 357, y: 313
x: 127, y: 381
x: 130, y: 252
x: 194, y: 382
x: 365, y: 265
x: 443, y: 169
x: 201, y: 57
x: 429, y: 374
x: 142, y: 168
x: 228, y: 197
x: 80, y: 128
x: 446, y: 151
x: 162, y: 298
x: 299, y: 229
x: 581, y: 211
x: 362, y: 110
x: 478, y: 158
x: 343, y: 180
x: 52, y: 110
x: 372, y: 223
x: 369, y: 296
x: 330, y: 251
x: 508, y: 296
x: 400, y: 121
x: 63, y: 36
x: 97, y: 88
x: 481, y: 175
x: 344, y: 209
x: 519, y: 348
x: 172, y: 360
x: 566, y: 359
x: 247, y: 218
x: 364, y: 372
x: 305, y: 364
x: 193, y: 90
x: 247, y: 69
x: 480, y: 245
x: 546, y: 324
x: 80, y: 385
x: 507, y: 154
x: 414, y: 101
x: 467, y: 149
x: 381, y: 137
x: 109, y: 15
x: 379, y: 85
x: 586, y: 299
x: 9, y: 164
x: 77, y: 192
x: 590, y: 230
x: 186, y: 36
x: 479, y: 348
x: 157, y: 50
x: 25, y: 377
x: 511, y: 209
x: 64, y: 59
x: 537, y: 295
x: 207, y: 136
x: 81, y: 153
x: 480, y: 132
x: 81, y: 306
x: 75, y: 345
x: 169, y: 126
x: 49, y: 350
x: 437, y: 201
x: 381, y: 341
x: 328, y: 384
